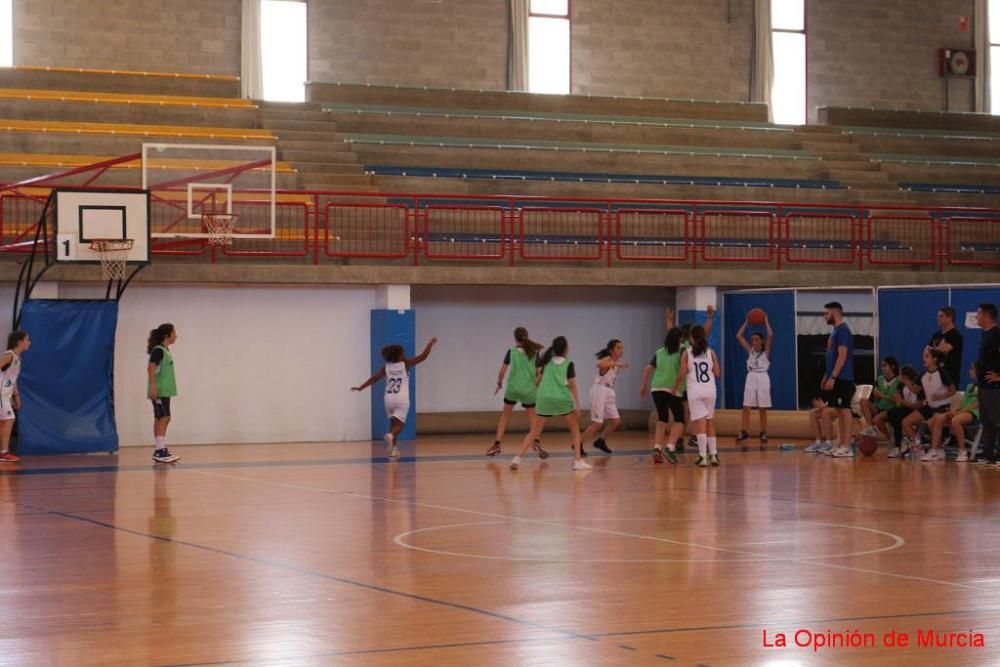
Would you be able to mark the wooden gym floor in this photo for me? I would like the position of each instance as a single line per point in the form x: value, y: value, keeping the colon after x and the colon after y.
x: 328, y: 554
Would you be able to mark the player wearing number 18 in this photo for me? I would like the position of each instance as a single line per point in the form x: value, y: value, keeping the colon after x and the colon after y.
x: 397, y: 388
x: 700, y: 368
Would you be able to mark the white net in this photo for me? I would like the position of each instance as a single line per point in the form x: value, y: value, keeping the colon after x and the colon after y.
x: 114, y: 256
x: 219, y: 227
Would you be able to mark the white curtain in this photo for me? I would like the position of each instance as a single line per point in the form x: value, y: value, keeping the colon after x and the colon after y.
x: 762, y: 65
x: 251, y: 78
x: 982, y: 27
x: 517, y: 46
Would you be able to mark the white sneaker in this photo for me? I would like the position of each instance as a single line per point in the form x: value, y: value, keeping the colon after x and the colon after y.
x: 389, y: 444
x: 826, y: 447
x: 515, y: 463
x: 963, y: 457
x: 580, y: 464
x: 895, y: 453
x: 842, y: 452
x: 813, y: 448
x: 870, y: 431
x: 394, y: 453
x: 933, y: 455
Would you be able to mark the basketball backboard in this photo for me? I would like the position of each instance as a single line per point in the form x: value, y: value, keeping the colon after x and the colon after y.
x: 83, y: 216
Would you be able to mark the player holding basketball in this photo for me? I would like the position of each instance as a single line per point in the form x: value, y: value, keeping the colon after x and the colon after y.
x: 757, y: 392
x: 520, y: 359
x: 603, y: 400
x: 18, y: 343
x: 557, y: 397
x: 700, y: 369
x: 397, y: 388
x: 162, y: 387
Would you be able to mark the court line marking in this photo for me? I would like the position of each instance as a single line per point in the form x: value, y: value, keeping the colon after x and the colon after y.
x: 400, y: 540
x: 412, y: 503
x: 330, y: 577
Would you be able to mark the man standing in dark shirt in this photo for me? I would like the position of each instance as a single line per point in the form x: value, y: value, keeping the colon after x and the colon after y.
x: 949, y: 341
x: 988, y: 377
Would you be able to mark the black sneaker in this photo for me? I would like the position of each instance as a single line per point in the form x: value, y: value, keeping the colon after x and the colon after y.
x: 583, y: 452
x: 164, y: 456
x: 538, y: 449
x: 763, y: 436
x: 680, y: 445
x: 494, y: 450
x: 743, y: 435
x: 693, y: 441
x: 657, y: 455
x: 671, y: 456
x: 601, y: 445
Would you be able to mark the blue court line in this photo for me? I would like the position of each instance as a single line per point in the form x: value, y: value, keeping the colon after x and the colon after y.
x: 799, y: 622
x: 322, y: 575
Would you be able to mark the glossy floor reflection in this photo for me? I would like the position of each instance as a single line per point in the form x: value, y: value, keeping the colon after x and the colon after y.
x: 317, y: 554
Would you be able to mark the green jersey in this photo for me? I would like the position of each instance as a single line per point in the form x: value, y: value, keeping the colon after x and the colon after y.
x: 166, y: 383
x: 521, y: 381
x: 667, y: 367
x: 554, y: 397
x: 971, y: 396
x: 888, y: 388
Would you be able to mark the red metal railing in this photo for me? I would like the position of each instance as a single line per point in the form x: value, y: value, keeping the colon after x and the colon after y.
x: 327, y: 225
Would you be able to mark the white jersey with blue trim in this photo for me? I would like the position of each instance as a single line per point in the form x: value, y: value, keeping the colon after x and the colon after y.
x: 700, y: 378
x: 397, y: 383
x: 8, y: 377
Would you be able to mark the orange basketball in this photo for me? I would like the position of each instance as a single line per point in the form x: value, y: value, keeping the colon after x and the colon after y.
x: 868, y: 445
x: 756, y: 316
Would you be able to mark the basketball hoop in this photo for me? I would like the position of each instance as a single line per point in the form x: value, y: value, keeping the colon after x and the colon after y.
x: 114, y: 255
x: 219, y: 227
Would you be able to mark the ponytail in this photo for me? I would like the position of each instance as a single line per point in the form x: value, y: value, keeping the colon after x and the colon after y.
x: 558, y: 349
x: 699, y: 342
x: 158, y: 335
x: 530, y: 347
x: 606, y: 351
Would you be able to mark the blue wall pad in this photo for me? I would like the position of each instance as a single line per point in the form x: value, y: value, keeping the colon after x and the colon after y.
x: 780, y: 307
x: 907, y: 318
x: 67, y: 380
x: 390, y: 327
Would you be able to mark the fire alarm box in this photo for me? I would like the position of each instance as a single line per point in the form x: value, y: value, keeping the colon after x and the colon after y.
x: 957, y: 62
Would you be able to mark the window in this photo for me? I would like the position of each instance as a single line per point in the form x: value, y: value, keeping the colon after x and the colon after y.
x: 6, y: 33
x: 993, y: 37
x: 788, y: 33
x: 548, y: 46
x: 283, y: 38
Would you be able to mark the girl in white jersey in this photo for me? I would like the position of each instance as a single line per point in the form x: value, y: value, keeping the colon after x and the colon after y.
x: 700, y: 368
x: 18, y: 343
x: 397, y: 388
x: 603, y: 400
x: 757, y: 391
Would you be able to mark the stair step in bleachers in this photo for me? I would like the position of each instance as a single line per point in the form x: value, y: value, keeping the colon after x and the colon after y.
x: 125, y: 98
x: 919, y: 120
x: 136, y: 130
x: 345, y: 93
x: 120, y: 81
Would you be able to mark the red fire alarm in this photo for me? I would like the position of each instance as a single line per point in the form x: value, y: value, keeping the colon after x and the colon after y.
x: 963, y: 23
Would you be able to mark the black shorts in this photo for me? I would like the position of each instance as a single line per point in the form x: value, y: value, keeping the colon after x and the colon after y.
x: 523, y: 405
x: 840, y: 396
x: 161, y: 408
x: 927, y: 411
x: 667, y: 404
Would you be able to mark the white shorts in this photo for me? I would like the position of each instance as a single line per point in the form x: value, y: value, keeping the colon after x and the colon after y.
x: 396, y: 410
x: 757, y: 392
x: 702, y: 407
x: 603, y: 404
x: 7, y: 409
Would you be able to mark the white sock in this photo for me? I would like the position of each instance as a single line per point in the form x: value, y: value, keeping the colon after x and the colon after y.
x: 671, y: 446
x: 702, y: 444
x: 161, y: 441
x: 713, y: 447
x: 516, y: 459
x: 659, y: 446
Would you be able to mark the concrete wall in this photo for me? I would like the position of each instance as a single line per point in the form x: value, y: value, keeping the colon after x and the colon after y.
x: 884, y: 54
x: 680, y: 48
x: 475, y: 328
x: 439, y: 43
x: 189, y: 36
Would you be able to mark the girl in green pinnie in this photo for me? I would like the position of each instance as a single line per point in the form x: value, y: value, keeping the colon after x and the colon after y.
x: 521, y: 360
x: 557, y: 396
x: 162, y: 387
